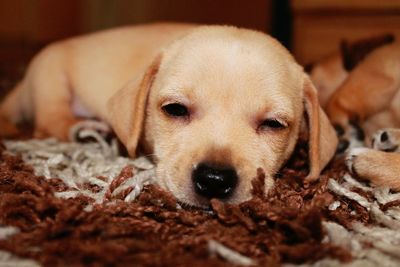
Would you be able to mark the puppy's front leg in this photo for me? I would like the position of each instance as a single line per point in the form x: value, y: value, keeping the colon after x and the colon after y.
x: 52, y: 94
x: 53, y: 114
x: 56, y: 124
x: 379, y: 167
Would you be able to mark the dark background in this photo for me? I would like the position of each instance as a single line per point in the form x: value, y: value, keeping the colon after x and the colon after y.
x: 309, y: 28
x: 45, y: 20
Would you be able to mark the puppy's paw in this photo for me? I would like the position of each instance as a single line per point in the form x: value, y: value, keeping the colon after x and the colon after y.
x: 381, y: 168
x: 352, y: 156
x: 76, y: 132
x: 387, y: 140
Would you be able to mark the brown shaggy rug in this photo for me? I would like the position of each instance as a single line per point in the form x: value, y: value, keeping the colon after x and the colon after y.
x: 95, y: 213
x: 154, y: 230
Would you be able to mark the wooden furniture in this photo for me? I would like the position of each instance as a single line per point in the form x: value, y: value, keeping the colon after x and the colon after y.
x: 320, y: 25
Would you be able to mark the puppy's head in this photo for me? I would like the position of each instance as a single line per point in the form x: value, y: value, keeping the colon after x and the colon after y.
x: 215, y: 106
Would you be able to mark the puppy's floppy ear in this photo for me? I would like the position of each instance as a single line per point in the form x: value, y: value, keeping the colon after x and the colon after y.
x: 322, y: 136
x: 127, y: 108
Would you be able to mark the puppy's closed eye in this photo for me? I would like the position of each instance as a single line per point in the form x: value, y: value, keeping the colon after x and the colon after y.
x: 272, y: 124
x: 175, y: 110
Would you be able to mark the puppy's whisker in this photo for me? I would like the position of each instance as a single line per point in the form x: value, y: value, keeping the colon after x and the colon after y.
x: 151, y: 155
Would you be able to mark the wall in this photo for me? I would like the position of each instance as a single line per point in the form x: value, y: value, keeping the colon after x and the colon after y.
x: 47, y: 20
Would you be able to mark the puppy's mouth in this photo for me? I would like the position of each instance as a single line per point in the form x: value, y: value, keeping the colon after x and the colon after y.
x: 391, y: 149
x: 204, y: 182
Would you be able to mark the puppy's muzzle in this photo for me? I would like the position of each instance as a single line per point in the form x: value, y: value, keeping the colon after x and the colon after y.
x: 214, y: 181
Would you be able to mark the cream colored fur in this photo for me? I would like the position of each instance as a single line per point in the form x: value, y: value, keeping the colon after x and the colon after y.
x: 371, y: 95
x: 230, y: 80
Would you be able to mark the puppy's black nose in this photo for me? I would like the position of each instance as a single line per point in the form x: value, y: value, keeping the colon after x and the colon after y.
x: 214, y: 182
x: 384, y: 137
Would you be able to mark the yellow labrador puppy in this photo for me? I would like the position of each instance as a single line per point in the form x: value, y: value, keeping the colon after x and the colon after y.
x: 211, y: 103
x: 371, y: 94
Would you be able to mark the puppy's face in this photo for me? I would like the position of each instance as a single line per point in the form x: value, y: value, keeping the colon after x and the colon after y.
x: 223, y: 103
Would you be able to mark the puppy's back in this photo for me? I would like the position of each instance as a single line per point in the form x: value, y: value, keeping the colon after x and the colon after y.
x: 90, y: 67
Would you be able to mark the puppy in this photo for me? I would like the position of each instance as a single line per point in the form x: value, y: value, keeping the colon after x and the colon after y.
x: 371, y: 96
x: 379, y: 165
x: 327, y: 75
x: 211, y: 104
x: 331, y: 71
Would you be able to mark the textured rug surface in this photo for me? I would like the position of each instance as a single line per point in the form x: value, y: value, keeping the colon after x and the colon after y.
x: 81, y: 204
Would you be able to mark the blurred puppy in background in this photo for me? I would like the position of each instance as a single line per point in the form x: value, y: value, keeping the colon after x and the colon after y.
x: 367, y: 100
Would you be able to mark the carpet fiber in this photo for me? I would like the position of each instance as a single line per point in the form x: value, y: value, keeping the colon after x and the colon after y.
x: 81, y: 204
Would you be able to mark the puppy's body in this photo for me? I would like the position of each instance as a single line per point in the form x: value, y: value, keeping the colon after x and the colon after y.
x: 327, y: 76
x: 369, y: 90
x: 83, y: 73
x: 371, y: 95
x: 211, y: 103
x: 331, y: 71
